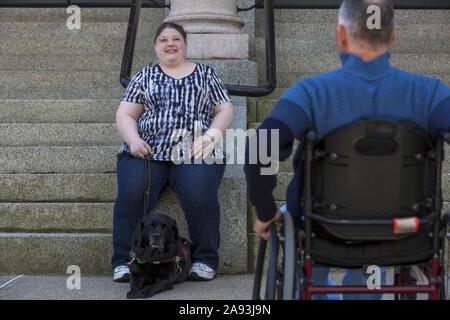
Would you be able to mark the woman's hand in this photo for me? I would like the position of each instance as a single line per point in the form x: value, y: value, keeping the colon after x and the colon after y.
x: 139, y: 148
x: 202, y: 147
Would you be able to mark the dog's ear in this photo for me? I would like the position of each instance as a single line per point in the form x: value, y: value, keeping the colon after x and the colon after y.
x: 137, y: 244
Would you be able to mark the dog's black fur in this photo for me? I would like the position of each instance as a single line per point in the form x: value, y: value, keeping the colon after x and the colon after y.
x: 154, y: 248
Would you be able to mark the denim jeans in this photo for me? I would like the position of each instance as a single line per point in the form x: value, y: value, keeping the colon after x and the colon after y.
x: 352, y: 277
x: 197, y: 188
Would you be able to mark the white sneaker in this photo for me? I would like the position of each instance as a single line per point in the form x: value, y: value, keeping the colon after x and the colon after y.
x: 201, y: 272
x: 420, y: 280
x: 121, y: 274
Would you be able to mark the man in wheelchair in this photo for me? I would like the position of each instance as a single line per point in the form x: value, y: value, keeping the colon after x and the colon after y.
x: 367, y: 168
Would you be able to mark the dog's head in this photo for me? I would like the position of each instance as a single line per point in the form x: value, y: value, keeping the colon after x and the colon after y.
x: 155, y: 232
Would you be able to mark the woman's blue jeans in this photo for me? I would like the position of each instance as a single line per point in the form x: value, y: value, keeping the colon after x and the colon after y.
x: 197, y: 188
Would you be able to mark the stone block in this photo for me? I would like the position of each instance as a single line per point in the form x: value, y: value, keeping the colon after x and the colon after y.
x: 56, y: 217
x: 59, y: 134
x: 58, y: 111
x: 219, y: 46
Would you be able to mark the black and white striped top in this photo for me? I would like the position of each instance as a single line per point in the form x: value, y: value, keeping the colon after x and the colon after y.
x: 175, y: 110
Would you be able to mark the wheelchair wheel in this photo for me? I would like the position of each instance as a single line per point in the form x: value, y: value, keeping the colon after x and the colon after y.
x: 443, y: 287
x: 281, y: 272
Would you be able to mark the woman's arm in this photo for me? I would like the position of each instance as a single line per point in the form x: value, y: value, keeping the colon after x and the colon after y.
x: 223, y: 117
x: 127, y: 116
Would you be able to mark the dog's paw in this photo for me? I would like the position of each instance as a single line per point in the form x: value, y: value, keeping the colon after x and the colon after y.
x: 134, y: 295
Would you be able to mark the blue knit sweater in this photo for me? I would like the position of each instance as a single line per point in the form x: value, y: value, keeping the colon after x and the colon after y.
x: 325, y: 102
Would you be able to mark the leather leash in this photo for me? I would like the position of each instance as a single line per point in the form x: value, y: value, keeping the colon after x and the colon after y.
x: 147, y: 188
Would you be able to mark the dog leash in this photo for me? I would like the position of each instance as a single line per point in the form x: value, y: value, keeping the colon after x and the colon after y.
x: 147, y: 187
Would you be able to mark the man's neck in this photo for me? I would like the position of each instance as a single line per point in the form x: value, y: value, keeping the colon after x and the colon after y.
x: 365, y: 53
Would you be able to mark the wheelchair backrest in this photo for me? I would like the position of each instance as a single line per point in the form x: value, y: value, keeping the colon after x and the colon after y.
x: 372, y: 169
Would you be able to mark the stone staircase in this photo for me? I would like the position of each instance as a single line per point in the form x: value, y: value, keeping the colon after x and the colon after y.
x: 305, y: 46
x: 59, y: 93
x: 58, y: 96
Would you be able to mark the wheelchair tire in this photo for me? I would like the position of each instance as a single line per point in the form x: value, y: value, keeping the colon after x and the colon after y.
x: 281, y: 271
x: 290, y: 257
x: 274, y: 245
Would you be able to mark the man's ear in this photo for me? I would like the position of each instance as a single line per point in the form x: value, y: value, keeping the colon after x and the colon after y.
x: 394, y: 36
x: 342, y: 38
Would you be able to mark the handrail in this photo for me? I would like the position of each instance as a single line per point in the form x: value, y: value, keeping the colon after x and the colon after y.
x: 80, y: 3
x: 335, y: 4
x: 271, y: 82
x: 127, y: 59
x: 278, y: 4
x: 237, y: 90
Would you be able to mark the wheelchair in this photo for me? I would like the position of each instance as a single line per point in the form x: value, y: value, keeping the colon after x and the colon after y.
x: 371, y: 197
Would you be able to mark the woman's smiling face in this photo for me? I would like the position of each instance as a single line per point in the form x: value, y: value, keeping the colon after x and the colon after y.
x: 170, y: 47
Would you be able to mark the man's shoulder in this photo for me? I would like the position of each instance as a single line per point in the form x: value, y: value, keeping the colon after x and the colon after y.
x: 320, y: 80
x: 406, y: 76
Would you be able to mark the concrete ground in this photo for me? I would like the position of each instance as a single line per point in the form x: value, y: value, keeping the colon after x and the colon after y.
x: 224, y: 287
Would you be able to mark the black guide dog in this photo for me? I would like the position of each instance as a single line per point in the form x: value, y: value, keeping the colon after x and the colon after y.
x: 160, y: 257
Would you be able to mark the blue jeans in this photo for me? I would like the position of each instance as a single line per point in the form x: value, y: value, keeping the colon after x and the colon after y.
x: 197, y: 188
x: 352, y: 277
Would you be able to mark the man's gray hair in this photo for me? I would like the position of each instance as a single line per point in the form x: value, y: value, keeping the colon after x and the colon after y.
x: 354, y: 17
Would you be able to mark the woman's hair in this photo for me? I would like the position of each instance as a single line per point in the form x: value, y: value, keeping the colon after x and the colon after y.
x: 170, y: 25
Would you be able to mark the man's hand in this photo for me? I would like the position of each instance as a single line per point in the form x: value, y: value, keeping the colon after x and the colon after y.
x: 262, y: 228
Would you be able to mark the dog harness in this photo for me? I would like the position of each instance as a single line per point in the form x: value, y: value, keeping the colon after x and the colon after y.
x: 176, y: 259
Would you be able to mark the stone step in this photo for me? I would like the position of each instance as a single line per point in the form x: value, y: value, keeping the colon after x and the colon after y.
x: 59, y: 30
x: 58, y: 134
x: 229, y: 71
x: 58, y: 79
x: 67, y: 160
x: 35, y: 252
x: 87, y: 14
x: 76, y: 160
x: 411, y: 38
x: 58, y: 111
x: 58, y: 187
x: 311, y: 16
x: 56, y: 217
x: 402, y: 45
x: 52, y: 253
x: 321, y: 62
x: 11, y: 46
x: 70, y: 62
x: 76, y: 187
x: 63, y: 93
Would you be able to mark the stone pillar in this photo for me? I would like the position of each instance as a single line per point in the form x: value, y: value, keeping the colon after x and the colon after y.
x: 213, y: 26
x: 216, y: 38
